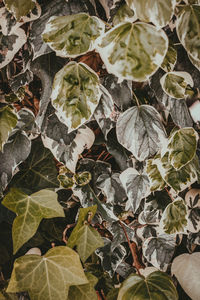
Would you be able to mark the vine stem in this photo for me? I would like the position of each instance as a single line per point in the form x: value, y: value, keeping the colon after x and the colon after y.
x: 133, y: 249
x: 136, y: 98
x: 65, y: 232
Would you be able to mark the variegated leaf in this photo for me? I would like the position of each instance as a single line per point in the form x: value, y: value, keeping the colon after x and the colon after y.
x: 20, y: 8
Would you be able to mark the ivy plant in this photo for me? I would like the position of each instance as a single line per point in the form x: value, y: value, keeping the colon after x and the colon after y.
x: 99, y: 149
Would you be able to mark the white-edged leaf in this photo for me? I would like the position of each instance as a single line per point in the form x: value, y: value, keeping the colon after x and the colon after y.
x: 136, y: 186
x: 170, y: 59
x: 73, y: 35
x: 133, y: 51
x: 192, y: 199
x: 159, y: 250
x: 156, y: 181
x: 186, y: 268
x: 20, y: 8
x: 194, y: 61
x: 68, y: 153
x: 139, y: 129
x: 175, y: 83
x: 124, y: 14
x: 158, y: 12
x: 48, y: 276
x: 188, y: 30
x: 8, y: 120
x: 150, y: 213
x: 75, y: 94
x: 182, y: 147
x: 174, y: 218
x: 195, y: 111
x: 30, y: 211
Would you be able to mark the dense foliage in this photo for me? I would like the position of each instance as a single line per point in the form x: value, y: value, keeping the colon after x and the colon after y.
x: 99, y: 149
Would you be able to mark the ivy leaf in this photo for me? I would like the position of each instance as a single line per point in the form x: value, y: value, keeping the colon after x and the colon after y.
x: 139, y: 129
x: 71, y: 36
x: 175, y: 83
x: 159, y: 250
x: 112, y: 188
x: 158, y: 12
x: 182, y: 147
x: 87, y: 241
x: 133, y: 51
x: 156, y: 285
x: 124, y: 14
x: 8, y: 121
x: 188, y: 30
x: 85, y: 291
x: 186, y: 266
x: 30, y: 211
x: 155, y: 179
x: 150, y: 213
x: 180, y: 113
x: 60, y: 267
x: 174, y: 218
x: 111, y: 258
x: 84, y: 213
x: 20, y: 8
x: 192, y: 199
x: 15, y: 151
x: 170, y: 59
x: 38, y: 171
x: 75, y: 94
x: 136, y: 186
x: 10, y: 45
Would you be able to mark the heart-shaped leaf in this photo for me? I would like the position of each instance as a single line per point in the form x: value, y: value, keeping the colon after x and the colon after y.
x: 188, y: 30
x: 84, y: 291
x: 30, y: 211
x: 75, y: 94
x: 156, y: 285
x: 48, y: 276
x: 186, y: 268
x: 133, y: 51
x: 182, y: 147
x: 158, y: 12
x: 73, y: 35
x: 8, y: 121
x: 20, y: 8
x: 139, y: 129
x: 136, y: 186
x: 175, y: 83
x: 174, y: 218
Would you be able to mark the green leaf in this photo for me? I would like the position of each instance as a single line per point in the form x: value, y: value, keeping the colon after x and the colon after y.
x: 157, y: 285
x: 75, y: 94
x: 182, y: 147
x: 170, y: 59
x: 186, y: 268
x: 188, y: 30
x: 133, y: 51
x: 8, y: 121
x: 73, y: 35
x: 84, y: 213
x: 124, y: 14
x: 158, y: 12
x: 30, y: 211
x: 48, y: 276
x: 175, y: 84
x: 85, y: 291
x: 82, y: 178
x: 156, y: 181
x: 136, y: 186
x: 140, y: 130
x: 38, y: 171
x: 20, y: 8
x: 174, y: 217
x: 87, y: 241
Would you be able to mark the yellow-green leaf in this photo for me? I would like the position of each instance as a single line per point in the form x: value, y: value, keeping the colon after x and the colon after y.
x: 174, y: 218
x: 156, y: 181
x: 133, y: 51
x: 84, y: 291
x: 158, y: 12
x: 170, y: 59
x: 49, y: 276
x: 20, y: 8
x: 73, y: 35
x: 75, y: 94
x: 175, y: 83
x: 157, y: 285
x: 8, y: 120
x: 30, y: 211
x: 188, y: 30
x: 182, y: 147
x: 124, y: 14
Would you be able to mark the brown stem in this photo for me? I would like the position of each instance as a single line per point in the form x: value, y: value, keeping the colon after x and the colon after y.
x: 134, y: 251
x: 169, y: 194
x: 65, y: 232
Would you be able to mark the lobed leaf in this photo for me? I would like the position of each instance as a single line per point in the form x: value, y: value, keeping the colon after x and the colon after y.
x: 84, y: 291
x: 8, y: 121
